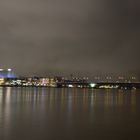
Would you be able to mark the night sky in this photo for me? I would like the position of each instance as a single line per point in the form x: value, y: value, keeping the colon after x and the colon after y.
x: 70, y: 36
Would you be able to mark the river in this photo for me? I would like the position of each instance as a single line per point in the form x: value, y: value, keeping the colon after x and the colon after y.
x: 28, y: 113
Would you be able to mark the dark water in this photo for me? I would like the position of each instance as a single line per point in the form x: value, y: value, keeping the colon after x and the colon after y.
x: 69, y: 114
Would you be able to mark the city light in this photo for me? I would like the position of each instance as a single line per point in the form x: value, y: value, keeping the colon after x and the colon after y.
x: 70, y: 86
x: 9, y: 69
x: 9, y: 78
x: 92, y: 85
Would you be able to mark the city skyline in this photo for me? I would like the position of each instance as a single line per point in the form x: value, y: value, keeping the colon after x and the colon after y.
x: 10, y: 73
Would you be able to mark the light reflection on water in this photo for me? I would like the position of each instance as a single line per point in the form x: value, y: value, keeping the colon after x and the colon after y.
x: 50, y: 113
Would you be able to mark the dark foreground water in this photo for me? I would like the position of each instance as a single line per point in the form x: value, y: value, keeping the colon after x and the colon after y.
x: 69, y: 114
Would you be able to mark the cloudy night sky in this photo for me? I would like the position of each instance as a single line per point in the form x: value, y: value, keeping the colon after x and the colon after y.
x: 70, y: 36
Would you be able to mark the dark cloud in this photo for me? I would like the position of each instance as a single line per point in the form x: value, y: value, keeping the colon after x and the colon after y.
x: 70, y: 36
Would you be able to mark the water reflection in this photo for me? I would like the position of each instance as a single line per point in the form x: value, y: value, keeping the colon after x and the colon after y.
x: 47, y: 107
x: 65, y: 98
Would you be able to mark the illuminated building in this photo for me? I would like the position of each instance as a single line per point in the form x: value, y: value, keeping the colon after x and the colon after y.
x: 1, y: 81
x: 7, y: 73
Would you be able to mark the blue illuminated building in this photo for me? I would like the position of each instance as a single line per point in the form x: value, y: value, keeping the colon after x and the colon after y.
x: 7, y: 73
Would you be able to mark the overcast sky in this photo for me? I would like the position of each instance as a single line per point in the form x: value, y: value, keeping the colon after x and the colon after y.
x: 70, y: 36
